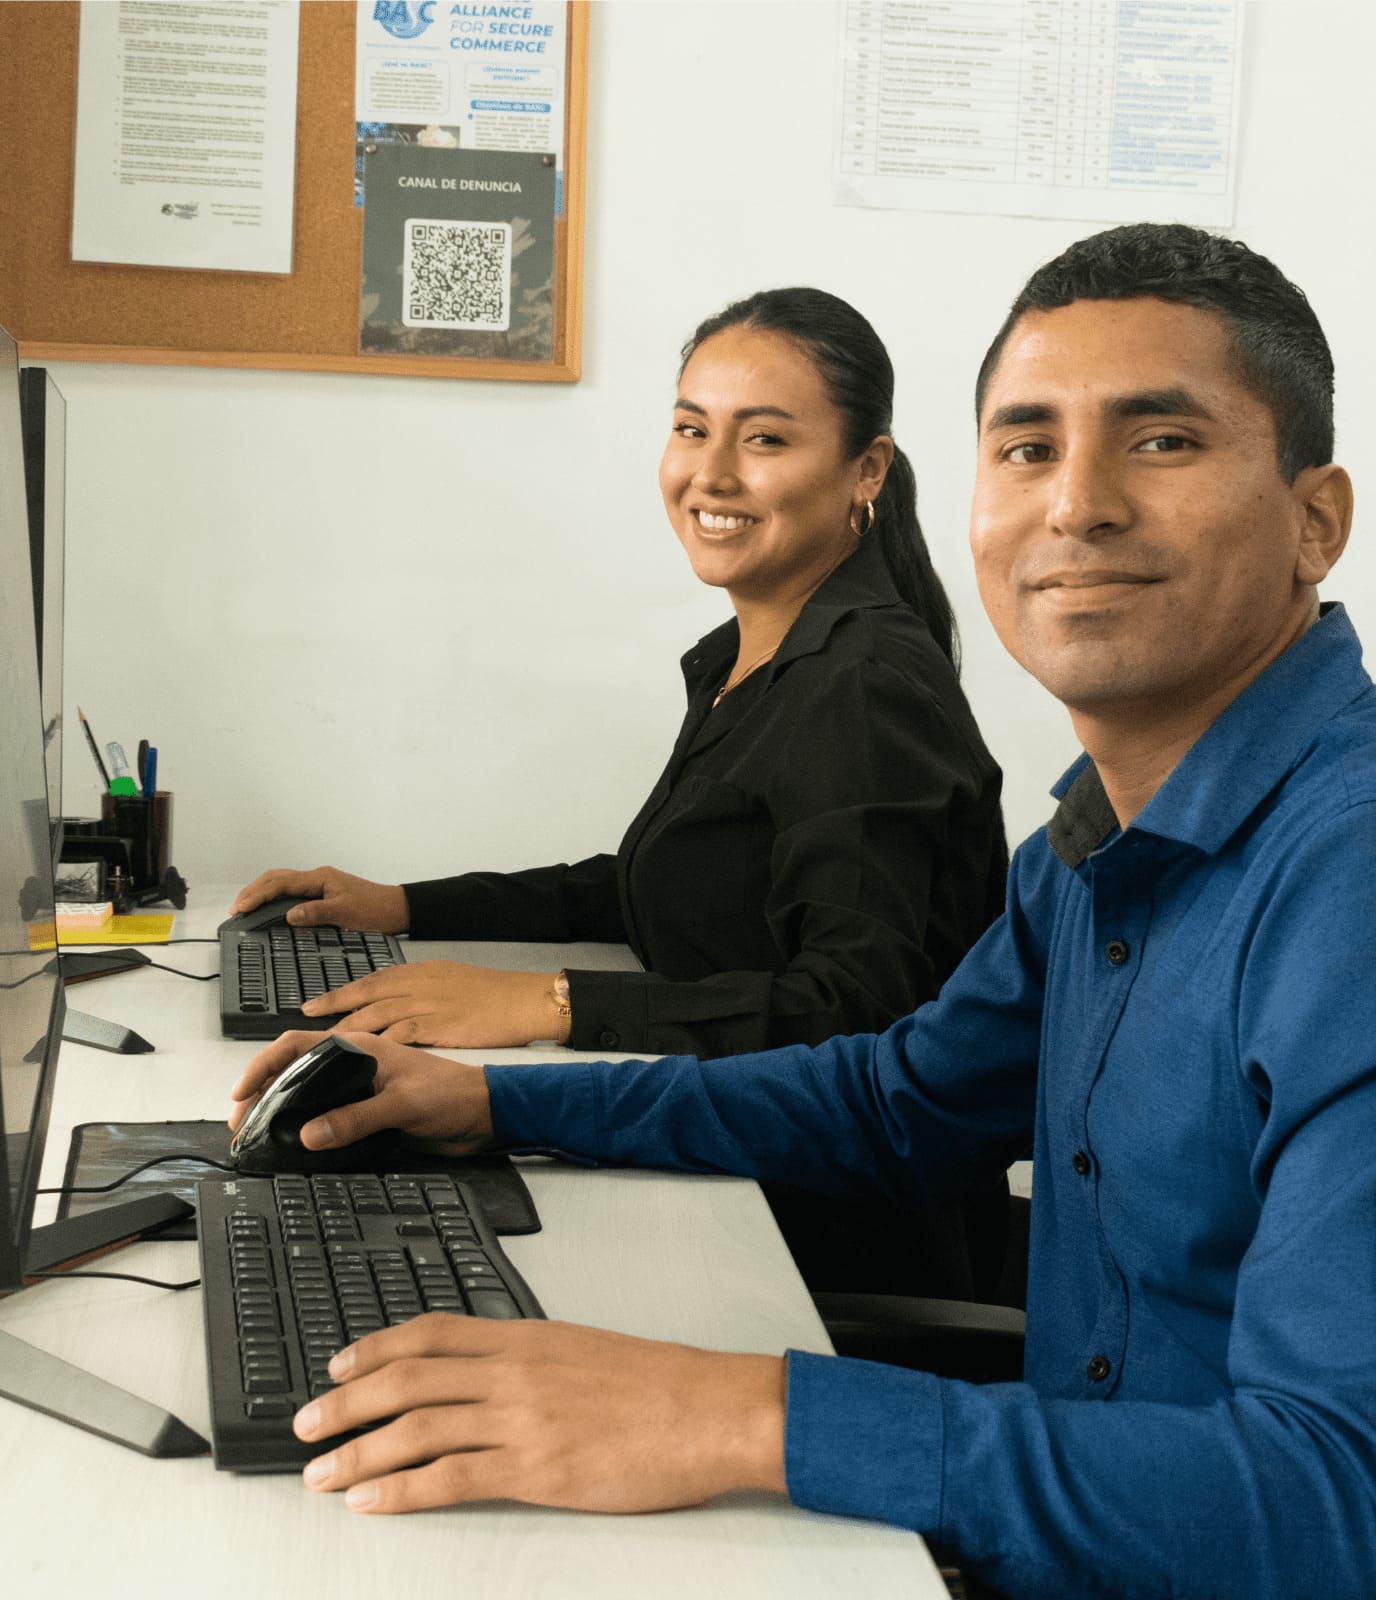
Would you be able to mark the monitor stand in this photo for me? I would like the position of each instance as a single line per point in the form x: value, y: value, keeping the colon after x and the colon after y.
x: 58, y: 1389
x: 80, y: 1028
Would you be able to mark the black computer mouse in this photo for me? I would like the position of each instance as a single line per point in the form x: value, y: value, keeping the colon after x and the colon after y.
x: 271, y: 914
x: 331, y: 1073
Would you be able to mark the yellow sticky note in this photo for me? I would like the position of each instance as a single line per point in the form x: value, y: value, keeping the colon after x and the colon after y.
x: 150, y: 927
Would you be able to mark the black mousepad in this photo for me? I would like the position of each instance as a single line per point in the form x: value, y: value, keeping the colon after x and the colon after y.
x: 100, y: 1152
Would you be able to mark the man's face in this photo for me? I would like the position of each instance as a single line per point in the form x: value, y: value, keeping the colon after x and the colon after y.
x: 1135, y: 544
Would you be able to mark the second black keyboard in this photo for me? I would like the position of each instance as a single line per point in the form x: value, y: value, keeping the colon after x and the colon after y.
x: 266, y: 974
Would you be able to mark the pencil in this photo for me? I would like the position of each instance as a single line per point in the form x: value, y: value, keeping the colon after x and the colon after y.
x: 95, y: 751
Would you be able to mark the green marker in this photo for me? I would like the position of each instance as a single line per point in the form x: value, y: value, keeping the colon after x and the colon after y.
x: 121, y: 782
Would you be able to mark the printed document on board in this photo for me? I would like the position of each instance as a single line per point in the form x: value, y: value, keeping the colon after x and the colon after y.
x: 186, y: 134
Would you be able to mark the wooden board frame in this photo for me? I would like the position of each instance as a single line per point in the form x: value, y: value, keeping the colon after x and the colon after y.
x: 306, y: 321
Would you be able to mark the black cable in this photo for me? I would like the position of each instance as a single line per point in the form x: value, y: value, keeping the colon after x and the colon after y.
x: 143, y: 1166
x: 115, y: 965
x: 161, y: 966
x: 124, y: 1277
x: 105, y: 1188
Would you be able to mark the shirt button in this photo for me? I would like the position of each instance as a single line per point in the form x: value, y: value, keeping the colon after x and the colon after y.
x: 608, y: 1039
x: 1099, y: 1368
x: 1080, y: 1161
x: 1116, y: 951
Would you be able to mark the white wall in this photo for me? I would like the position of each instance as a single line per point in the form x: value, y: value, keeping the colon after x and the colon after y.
x: 412, y: 626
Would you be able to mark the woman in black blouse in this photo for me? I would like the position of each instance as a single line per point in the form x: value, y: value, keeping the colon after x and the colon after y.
x: 826, y: 841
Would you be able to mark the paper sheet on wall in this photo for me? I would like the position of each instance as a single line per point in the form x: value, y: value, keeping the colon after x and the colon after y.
x: 186, y: 134
x: 1108, y: 110
x: 473, y: 75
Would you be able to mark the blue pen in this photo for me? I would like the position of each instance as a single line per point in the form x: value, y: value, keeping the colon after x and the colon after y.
x: 150, y: 772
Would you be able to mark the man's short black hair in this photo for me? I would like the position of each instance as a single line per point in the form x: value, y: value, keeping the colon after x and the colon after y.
x: 1277, y: 342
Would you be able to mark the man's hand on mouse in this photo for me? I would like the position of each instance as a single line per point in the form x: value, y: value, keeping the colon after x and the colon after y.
x: 447, y: 1003
x: 416, y: 1093
x: 333, y: 899
x: 544, y: 1412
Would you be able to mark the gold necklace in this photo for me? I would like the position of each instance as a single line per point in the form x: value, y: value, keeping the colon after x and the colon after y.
x: 736, y: 676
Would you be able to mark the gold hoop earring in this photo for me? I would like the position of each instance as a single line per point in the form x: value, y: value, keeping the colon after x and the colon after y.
x: 854, y: 517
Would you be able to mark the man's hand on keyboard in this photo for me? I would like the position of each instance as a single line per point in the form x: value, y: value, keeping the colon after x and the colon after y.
x: 449, y: 1004
x: 419, y: 1094
x: 544, y: 1412
x: 334, y: 899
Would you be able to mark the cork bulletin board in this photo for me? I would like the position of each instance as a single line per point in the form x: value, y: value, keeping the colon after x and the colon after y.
x: 308, y: 320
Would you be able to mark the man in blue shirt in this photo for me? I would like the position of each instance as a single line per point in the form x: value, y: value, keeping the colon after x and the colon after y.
x: 1177, y: 1008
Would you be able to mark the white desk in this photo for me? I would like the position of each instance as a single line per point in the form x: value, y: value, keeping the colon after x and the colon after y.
x: 686, y: 1258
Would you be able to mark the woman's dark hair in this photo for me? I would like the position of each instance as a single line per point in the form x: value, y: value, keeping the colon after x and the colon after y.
x: 1277, y: 342
x: 853, y: 363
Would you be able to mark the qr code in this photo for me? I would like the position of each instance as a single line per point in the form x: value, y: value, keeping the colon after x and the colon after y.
x: 456, y: 274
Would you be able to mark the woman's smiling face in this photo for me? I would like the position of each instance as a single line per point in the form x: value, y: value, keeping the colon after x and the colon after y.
x: 755, y: 476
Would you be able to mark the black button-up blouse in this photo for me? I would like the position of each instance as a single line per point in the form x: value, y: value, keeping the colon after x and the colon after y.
x: 819, y: 853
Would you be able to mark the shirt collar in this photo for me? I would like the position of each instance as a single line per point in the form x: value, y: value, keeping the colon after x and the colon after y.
x: 860, y: 582
x: 1084, y: 819
x: 1237, y: 761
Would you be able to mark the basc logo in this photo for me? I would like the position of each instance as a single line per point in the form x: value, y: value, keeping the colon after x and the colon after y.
x: 403, y: 20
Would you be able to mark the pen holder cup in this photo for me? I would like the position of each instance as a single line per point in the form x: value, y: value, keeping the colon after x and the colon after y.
x: 146, y: 825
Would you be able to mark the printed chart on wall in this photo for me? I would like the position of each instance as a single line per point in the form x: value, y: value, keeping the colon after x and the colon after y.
x: 460, y: 110
x: 1106, y: 110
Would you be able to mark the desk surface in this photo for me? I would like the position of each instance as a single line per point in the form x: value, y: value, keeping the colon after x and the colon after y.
x: 686, y: 1258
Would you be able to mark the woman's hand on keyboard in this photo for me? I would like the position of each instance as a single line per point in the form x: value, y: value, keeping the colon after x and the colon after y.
x: 333, y: 899
x: 447, y: 1003
x: 420, y: 1094
x: 544, y: 1412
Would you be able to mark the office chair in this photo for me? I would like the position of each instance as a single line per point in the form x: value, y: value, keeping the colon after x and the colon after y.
x: 979, y: 1341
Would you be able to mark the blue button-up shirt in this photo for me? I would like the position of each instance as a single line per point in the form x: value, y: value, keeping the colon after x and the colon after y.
x: 1181, y: 1017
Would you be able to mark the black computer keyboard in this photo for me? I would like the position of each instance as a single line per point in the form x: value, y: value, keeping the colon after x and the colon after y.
x: 294, y: 1268
x: 266, y: 974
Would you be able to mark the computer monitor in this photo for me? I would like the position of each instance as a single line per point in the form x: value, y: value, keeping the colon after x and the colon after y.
x: 43, y: 412
x: 31, y: 1003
